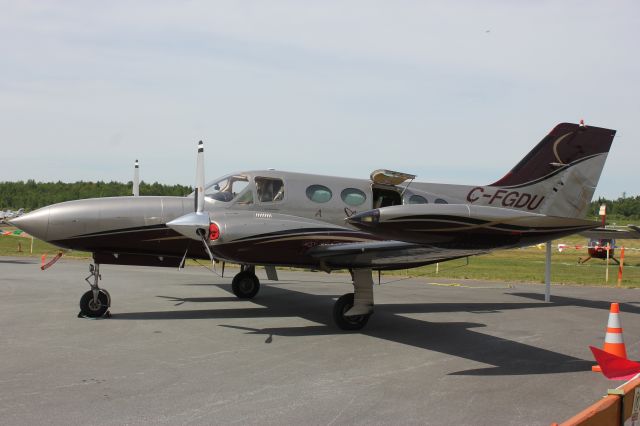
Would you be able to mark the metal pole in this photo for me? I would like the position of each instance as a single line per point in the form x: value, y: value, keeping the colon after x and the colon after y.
x: 621, y: 266
x: 547, y: 274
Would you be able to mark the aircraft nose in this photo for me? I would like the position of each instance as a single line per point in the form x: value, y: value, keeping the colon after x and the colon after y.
x: 35, y: 223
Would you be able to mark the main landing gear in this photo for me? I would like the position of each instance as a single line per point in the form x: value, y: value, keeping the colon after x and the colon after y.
x: 94, y: 303
x: 245, y: 284
x: 352, y: 310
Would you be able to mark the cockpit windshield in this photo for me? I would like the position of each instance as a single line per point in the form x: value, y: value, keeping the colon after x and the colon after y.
x: 229, y: 188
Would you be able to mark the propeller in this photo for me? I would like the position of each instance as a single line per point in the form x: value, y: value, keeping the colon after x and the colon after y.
x: 199, y: 198
x: 197, y: 225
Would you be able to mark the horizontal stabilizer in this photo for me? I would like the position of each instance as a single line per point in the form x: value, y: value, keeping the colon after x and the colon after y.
x: 630, y: 233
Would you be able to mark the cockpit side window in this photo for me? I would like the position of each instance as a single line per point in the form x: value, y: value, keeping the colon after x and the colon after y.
x: 226, y: 189
x: 269, y: 189
x: 245, y: 197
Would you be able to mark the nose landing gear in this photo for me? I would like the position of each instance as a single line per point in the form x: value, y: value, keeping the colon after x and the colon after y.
x: 95, y: 303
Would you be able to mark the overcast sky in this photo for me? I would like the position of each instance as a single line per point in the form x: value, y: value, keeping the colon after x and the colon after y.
x: 451, y: 91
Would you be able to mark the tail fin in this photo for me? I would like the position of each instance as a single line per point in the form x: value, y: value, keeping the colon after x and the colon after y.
x: 563, y: 170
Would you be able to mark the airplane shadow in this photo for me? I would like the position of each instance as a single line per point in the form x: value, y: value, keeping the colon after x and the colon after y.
x: 18, y: 262
x: 181, y: 300
x: 583, y: 303
x: 459, y: 339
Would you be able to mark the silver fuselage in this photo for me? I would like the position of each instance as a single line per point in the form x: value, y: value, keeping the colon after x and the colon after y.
x: 294, y: 227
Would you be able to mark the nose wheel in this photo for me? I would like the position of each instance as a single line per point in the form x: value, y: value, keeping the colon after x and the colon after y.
x: 95, y: 303
x: 94, y: 308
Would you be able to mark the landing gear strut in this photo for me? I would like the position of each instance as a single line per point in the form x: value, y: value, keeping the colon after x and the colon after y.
x: 352, y: 310
x: 245, y: 284
x: 94, y: 303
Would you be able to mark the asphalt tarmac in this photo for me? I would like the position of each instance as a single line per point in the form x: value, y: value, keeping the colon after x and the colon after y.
x: 181, y: 349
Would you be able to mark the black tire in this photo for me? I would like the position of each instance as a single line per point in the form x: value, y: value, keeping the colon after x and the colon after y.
x: 102, y: 290
x: 91, y: 309
x: 342, y: 305
x: 245, y: 285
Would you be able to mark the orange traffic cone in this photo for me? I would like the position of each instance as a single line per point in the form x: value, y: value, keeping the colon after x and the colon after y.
x: 613, y: 342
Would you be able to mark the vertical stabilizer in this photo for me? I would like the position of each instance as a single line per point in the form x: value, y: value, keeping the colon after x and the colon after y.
x: 559, y: 176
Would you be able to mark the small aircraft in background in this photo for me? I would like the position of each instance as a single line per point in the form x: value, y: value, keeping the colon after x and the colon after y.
x: 273, y: 218
x: 597, y: 249
x: 603, y: 238
x: 10, y: 214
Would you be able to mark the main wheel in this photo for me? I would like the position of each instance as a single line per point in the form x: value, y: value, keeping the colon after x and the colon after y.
x: 245, y: 285
x: 93, y: 309
x: 342, y: 305
x: 102, y: 290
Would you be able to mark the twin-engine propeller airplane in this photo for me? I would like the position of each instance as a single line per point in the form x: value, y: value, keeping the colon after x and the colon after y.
x: 275, y: 218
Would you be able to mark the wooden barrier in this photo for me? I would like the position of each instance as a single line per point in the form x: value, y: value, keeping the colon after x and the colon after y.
x: 612, y: 410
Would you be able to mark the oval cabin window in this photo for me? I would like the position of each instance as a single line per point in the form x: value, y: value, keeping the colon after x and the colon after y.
x: 417, y: 199
x: 353, y: 197
x: 319, y: 193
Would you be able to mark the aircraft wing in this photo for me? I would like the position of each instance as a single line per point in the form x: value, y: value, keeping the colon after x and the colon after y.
x: 385, y: 255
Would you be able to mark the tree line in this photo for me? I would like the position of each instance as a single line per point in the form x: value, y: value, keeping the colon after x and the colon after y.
x: 31, y: 195
x: 624, y: 208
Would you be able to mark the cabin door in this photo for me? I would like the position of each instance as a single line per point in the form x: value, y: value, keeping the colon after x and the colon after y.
x: 385, y: 197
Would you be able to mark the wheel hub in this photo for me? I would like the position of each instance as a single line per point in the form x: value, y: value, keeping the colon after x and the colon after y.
x: 95, y: 305
x: 354, y: 319
x: 246, y: 285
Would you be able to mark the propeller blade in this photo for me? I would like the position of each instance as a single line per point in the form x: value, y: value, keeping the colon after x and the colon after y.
x: 136, y: 179
x: 196, y: 225
x: 199, y: 198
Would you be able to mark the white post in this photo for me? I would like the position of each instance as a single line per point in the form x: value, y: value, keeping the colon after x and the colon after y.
x: 437, y: 267
x: 606, y: 272
x: 547, y: 274
x: 32, y: 244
